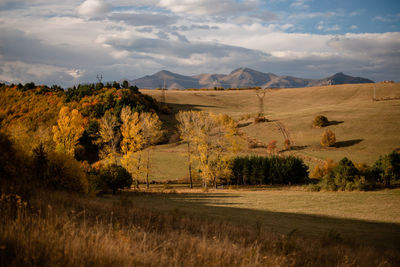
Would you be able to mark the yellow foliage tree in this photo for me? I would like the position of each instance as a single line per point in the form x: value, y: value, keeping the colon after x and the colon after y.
x: 185, y: 128
x: 328, y: 138
x: 109, y: 137
x: 151, y: 131
x: 214, y: 139
x: 70, y: 127
x: 132, y: 143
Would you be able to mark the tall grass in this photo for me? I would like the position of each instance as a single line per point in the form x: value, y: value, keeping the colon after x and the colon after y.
x: 57, y: 228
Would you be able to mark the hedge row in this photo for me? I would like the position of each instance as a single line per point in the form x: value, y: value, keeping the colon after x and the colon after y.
x: 256, y: 170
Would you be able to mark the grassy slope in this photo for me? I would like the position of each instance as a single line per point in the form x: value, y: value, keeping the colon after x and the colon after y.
x: 311, y: 213
x: 364, y: 129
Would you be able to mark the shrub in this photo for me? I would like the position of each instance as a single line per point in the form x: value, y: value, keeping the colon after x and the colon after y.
x: 287, y: 144
x: 260, y: 120
x: 271, y: 148
x: 320, y: 121
x: 115, y: 177
x: 66, y: 173
x: 328, y: 138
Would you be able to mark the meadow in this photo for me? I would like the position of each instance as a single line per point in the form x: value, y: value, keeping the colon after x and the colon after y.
x: 228, y: 228
x: 365, y: 129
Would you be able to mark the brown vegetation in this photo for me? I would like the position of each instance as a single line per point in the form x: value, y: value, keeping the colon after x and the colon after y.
x: 62, y: 229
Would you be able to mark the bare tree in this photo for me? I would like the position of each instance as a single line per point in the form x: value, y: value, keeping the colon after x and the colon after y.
x: 260, y: 95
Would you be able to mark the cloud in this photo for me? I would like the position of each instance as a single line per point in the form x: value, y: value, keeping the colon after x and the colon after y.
x: 388, y: 18
x: 144, y: 19
x: 377, y: 47
x: 300, y: 4
x: 93, y: 8
x: 208, y: 7
x: 21, y: 72
x: 322, y: 27
x: 18, y: 46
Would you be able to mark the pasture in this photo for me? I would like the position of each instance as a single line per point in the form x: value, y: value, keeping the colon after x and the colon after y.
x: 364, y: 129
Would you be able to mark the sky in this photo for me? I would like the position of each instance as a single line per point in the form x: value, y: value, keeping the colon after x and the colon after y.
x: 71, y: 41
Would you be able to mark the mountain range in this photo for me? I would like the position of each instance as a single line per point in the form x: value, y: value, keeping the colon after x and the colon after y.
x: 239, y: 78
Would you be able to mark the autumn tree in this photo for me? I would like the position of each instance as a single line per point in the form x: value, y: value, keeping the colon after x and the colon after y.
x: 132, y: 143
x: 109, y: 137
x: 213, y: 138
x: 185, y: 128
x: 151, y: 132
x: 328, y: 138
x: 70, y: 127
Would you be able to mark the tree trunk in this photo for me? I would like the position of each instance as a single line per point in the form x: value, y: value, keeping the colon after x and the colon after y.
x: 148, y: 168
x: 190, y: 166
x: 387, y: 181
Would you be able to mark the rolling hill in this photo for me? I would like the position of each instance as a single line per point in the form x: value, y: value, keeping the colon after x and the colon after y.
x: 239, y: 78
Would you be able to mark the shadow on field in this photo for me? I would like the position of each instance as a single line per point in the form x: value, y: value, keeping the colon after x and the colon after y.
x: 298, y: 147
x: 348, y: 143
x: 242, y: 125
x: 213, y: 206
x: 334, y: 123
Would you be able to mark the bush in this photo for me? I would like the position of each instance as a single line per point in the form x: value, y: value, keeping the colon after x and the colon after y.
x: 115, y: 177
x: 320, y: 121
x: 66, y: 173
x: 15, y: 168
x: 328, y: 138
x: 260, y: 120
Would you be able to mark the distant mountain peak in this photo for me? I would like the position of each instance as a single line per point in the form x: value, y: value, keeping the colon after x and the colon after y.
x: 239, y: 78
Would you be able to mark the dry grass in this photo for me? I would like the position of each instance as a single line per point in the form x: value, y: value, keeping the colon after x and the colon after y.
x: 364, y: 128
x: 62, y: 229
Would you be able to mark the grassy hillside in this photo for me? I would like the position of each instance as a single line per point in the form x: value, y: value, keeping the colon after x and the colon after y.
x: 364, y: 128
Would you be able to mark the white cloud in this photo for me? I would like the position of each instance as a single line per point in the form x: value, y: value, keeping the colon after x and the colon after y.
x: 321, y: 26
x: 21, y: 72
x: 300, y: 4
x: 208, y: 7
x: 93, y: 8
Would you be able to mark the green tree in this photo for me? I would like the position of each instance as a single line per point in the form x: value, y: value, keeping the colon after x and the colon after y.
x: 387, y: 168
x: 345, y: 172
x: 115, y: 177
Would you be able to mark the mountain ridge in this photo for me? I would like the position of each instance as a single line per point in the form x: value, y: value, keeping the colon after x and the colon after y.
x: 238, y: 78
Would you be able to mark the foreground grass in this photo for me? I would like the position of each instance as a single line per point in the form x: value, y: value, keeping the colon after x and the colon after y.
x: 371, y: 218
x: 63, y: 229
